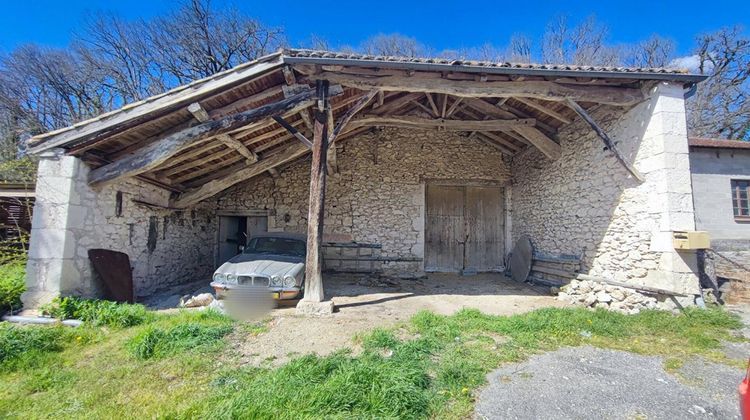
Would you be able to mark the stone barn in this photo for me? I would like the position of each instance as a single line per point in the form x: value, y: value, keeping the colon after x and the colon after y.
x: 400, y: 165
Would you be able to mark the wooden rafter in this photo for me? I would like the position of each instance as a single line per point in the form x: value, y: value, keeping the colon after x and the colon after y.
x: 544, y: 109
x: 293, y: 131
x: 350, y: 113
x: 158, y: 152
x: 233, y: 176
x: 433, y: 106
x: 544, y: 90
x: 540, y: 140
x: 202, y: 116
x: 454, y: 125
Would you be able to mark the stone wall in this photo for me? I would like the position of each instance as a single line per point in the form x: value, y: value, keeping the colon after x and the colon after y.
x: 586, y: 204
x: 165, y: 247
x: 378, y: 195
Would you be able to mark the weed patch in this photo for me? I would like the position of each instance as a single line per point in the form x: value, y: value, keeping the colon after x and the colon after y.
x: 12, y: 285
x: 98, y: 312
x: 429, y: 368
x: 203, y: 331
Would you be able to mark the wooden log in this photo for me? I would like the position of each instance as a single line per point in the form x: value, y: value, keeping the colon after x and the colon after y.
x: 454, y: 125
x: 544, y: 90
x: 314, y: 258
x: 640, y: 288
x: 158, y: 152
x: 605, y: 138
x: 233, y: 176
x: 540, y: 140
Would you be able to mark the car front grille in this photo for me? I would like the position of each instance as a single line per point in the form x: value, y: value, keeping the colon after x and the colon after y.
x: 253, y: 280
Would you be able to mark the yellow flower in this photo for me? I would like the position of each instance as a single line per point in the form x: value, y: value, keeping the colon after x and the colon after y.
x: 465, y: 390
x: 79, y: 338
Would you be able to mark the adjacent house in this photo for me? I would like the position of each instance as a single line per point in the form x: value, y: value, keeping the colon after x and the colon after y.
x: 430, y: 164
x: 721, y: 190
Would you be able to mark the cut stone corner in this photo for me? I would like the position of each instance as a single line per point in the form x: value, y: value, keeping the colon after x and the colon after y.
x: 310, y: 308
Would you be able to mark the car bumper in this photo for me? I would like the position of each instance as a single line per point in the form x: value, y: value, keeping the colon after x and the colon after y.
x: 278, y: 293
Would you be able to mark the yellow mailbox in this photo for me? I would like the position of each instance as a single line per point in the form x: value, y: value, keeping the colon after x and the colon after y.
x: 691, y: 240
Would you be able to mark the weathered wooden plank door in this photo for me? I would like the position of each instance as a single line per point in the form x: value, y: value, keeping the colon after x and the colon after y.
x: 444, y: 233
x: 485, y: 224
x: 464, y: 228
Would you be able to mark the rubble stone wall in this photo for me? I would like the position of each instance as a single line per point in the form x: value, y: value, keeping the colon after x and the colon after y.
x: 378, y: 195
x: 165, y: 247
x: 587, y: 204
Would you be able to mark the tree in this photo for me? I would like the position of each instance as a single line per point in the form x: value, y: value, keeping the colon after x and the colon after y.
x: 656, y: 51
x: 394, y: 45
x: 582, y: 44
x: 720, y: 108
x: 113, y: 61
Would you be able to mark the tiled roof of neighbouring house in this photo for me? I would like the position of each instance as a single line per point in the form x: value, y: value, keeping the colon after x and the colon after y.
x: 718, y: 143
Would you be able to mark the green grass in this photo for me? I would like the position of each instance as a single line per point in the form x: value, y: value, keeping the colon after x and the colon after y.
x: 12, y: 285
x: 98, y: 312
x: 178, y: 366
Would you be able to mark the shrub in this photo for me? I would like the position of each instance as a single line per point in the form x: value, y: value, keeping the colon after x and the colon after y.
x: 12, y: 285
x: 98, y: 312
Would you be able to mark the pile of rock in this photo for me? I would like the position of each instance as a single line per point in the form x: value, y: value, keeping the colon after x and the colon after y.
x: 598, y: 295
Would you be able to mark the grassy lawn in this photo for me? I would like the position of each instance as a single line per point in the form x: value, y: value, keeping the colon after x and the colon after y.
x: 168, y: 366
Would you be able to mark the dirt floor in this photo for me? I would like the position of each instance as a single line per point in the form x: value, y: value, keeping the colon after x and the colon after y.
x: 364, y: 303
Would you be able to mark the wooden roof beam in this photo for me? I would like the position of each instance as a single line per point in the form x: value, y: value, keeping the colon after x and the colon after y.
x: 201, y: 115
x: 293, y: 131
x: 234, y: 175
x: 540, y: 140
x: 156, y: 153
x: 545, y: 90
x: 453, y: 125
x: 545, y: 110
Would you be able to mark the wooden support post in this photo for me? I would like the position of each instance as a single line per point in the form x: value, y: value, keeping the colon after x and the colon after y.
x: 314, y: 295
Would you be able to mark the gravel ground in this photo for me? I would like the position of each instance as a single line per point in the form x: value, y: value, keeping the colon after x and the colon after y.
x: 592, y: 383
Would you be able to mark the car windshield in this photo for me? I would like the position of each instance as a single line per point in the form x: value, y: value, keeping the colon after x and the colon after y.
x: 280, y: 246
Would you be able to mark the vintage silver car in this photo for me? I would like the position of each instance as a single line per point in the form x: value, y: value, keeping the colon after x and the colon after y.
x: 275, y: 260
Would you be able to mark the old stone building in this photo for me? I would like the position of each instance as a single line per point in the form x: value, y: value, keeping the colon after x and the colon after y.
x: 434, y: 165
x: 721, y: 187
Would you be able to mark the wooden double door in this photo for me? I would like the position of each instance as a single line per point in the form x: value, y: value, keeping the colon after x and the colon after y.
x: 464, y: 228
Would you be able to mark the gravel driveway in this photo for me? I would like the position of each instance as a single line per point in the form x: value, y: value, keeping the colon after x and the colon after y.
x: 592, y: 383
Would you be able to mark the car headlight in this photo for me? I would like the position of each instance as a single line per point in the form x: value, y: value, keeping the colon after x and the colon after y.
x: 231, y: 278
x: 289, y: 281
x: 275, y: 281
x: 220, y: 277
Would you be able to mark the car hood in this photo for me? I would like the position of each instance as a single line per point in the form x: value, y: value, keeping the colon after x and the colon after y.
x: 263, y: 265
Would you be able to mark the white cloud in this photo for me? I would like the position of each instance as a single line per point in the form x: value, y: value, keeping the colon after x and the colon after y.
x: 690, y: 63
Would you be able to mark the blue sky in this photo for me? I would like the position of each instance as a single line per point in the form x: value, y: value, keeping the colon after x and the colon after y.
x: 441, y: 25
